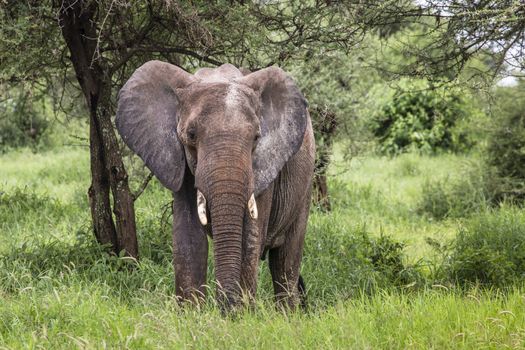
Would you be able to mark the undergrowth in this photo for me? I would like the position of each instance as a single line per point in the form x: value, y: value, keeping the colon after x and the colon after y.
x: 372, y: 280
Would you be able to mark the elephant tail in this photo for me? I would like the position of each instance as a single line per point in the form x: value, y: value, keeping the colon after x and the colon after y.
x: 301, y: 286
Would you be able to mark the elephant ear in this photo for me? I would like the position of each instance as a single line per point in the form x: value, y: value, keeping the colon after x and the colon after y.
x: 147, y: 119
x: 283, y: 119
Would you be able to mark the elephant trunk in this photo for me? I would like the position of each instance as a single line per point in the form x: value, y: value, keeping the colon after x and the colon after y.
x: 224, y: 178
x: 227, y: 214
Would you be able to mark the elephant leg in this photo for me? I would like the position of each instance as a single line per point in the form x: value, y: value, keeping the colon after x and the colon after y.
x: 190, y: 245
x: 285, y: 264
x: 253, y: 240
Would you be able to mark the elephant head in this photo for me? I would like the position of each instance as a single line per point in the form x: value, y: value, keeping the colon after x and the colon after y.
x: 233, y: 132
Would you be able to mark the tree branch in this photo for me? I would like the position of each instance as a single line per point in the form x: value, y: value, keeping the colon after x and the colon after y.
x: 142, y: 187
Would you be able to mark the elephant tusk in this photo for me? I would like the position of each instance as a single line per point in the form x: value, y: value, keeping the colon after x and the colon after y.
x: 252, y: 207
x: 201, y: 208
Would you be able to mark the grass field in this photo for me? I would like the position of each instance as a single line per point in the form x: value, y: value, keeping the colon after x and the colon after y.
x: 59, y: 290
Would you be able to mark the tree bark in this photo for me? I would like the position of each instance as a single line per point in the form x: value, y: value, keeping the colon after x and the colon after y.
x: 98, y: 192
x: 322, y: 198
x: 78, y: 25
x: 325, y: 127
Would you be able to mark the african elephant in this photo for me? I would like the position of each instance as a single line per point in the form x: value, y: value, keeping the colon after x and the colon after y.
x: 237, y: 151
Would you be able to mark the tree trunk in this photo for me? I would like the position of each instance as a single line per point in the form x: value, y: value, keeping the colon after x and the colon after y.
x: 123, y: 202
x: 321, y: 191
x: 78, y: 25
x: 325, y: 126
x: 98, y: 193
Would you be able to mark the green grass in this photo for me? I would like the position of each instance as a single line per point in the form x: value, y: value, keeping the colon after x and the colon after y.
x: 60, y: 290
x: 86, y: 317
x: 385, y: 192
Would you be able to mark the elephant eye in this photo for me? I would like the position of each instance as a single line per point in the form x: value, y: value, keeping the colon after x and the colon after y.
x: 191, y: 134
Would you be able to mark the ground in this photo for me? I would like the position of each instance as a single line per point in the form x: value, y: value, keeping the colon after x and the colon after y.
x: 59, y: 290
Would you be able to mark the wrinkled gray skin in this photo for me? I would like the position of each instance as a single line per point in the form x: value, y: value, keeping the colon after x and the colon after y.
x: 229, y: 136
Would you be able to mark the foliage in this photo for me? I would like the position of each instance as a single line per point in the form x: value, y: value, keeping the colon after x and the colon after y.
x: 506, y: 148
x: 402, y: 53
x: 336, y: 85
x: 439, y: 38
x: 456, y: 197
x: 498, y: 177
x: 420, y: 116
x: 31, y: 49
x: 22, y: 124
x: 489, y: 250
x: 353, y: 260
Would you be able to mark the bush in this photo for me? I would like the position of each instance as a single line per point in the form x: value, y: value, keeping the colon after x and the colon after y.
x: 20, y: 124
x: 422, y: 117
x: 456, y: 197
x: 506, y: 147
x: 348, y: 261
x: 489, y: 250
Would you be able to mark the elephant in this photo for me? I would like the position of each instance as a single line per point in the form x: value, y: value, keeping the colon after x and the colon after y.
x: 237, y: 151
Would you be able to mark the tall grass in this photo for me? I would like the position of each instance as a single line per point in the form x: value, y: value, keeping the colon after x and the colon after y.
x: 364, y: 265
x: 488, y: 250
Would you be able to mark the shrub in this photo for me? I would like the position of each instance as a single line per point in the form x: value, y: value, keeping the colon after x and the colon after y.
x: 20, y: 124
x: 421, y: 117
x: 456, y: 197
x: 506, y: 146
x: 348, y: 261
x: 386, y: 255
x: 489, y: 250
